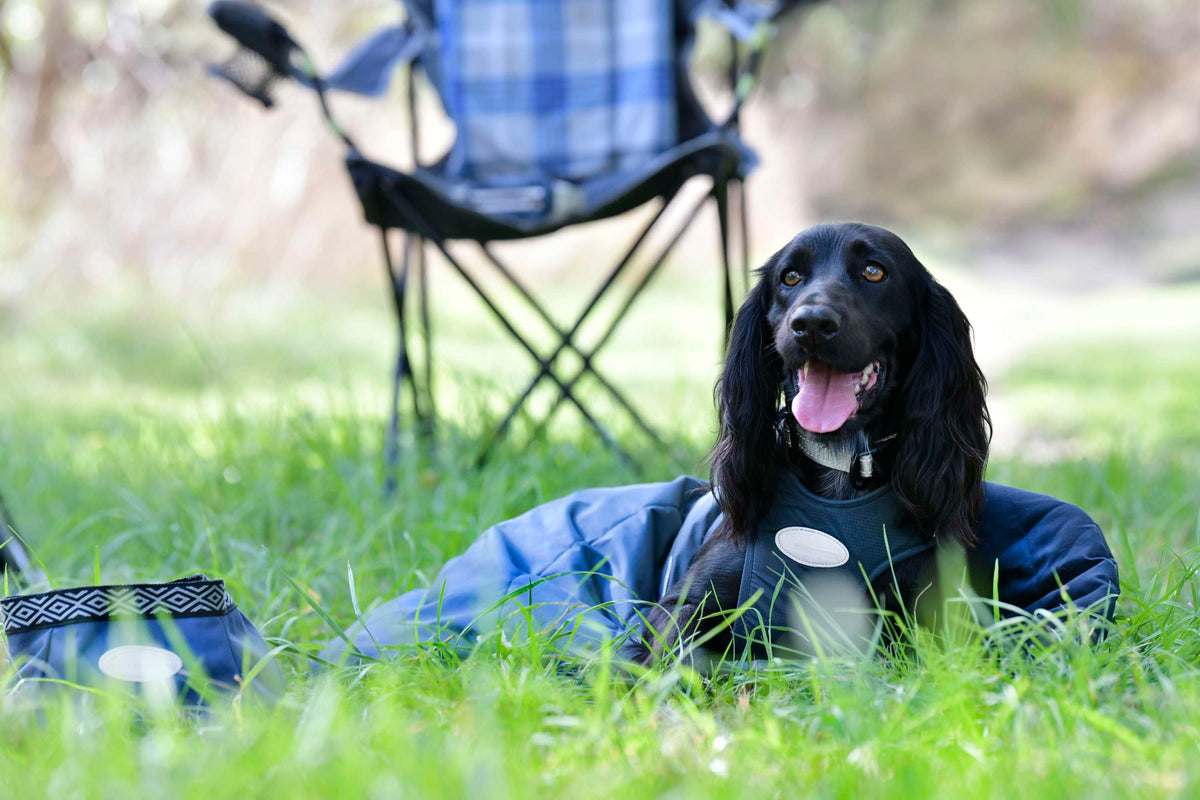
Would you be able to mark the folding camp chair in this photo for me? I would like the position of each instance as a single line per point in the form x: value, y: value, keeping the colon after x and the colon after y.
x: 566, y: 111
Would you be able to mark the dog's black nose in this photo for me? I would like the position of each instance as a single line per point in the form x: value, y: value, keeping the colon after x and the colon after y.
x: 816, y: 323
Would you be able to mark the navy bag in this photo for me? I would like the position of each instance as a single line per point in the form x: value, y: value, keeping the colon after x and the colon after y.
x: 180, y: 639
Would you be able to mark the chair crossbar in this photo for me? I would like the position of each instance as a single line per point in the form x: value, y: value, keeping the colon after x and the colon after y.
x: 428, y: 232
x: 566, y: 342
x: 566, y: 389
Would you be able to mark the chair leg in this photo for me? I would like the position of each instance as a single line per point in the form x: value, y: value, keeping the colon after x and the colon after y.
x: 744, y: 226
x: 428, y: 428
x: 721, y: 194
x: 418, y: 400
x: 398, y: 280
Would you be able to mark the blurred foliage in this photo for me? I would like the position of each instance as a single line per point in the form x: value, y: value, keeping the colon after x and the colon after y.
x: 122, y: 159
x: 991, y: 114
x: 119, y: 156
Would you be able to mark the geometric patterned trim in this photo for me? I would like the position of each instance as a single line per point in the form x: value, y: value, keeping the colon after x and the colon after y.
x: 195, y: 596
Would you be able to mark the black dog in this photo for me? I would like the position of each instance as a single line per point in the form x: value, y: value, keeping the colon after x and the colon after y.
x: 873, y: 360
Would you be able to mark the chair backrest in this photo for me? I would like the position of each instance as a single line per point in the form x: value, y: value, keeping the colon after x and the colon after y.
x: 558, y: 89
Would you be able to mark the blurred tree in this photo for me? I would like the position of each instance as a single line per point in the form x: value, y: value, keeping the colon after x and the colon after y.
x: 41, y: 158
x: 6, y: 54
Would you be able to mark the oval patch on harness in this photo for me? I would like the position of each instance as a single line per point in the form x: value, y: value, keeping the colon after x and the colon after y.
x: 137, y: 663
x: 811, y: 547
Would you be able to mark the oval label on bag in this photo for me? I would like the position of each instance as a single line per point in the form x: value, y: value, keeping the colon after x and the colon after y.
x: 811, y: 547
x: 139, y: 663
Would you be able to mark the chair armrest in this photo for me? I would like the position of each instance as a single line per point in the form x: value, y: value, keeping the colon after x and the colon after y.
x: 367, y: 70
x: 265, y: 49
x: 743, y: 19
x: 255, y: 30
x: 369, y: 67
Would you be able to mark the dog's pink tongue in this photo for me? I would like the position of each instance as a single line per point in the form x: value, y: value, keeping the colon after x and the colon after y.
x: 826, y: 398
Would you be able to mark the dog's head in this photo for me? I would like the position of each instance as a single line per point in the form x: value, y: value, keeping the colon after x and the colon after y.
x: 855, y: 335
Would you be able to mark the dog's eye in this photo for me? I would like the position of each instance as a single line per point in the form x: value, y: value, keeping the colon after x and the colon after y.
x: 791, y: 277
x: 873, y: 272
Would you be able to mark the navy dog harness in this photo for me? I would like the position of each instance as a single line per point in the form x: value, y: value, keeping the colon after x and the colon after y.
x: 805, y: 540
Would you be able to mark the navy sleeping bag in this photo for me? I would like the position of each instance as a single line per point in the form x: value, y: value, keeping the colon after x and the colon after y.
x: 586, y: 565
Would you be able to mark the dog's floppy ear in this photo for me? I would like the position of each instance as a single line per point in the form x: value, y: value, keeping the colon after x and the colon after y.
x: 747, y: 395
x: 938, y: 473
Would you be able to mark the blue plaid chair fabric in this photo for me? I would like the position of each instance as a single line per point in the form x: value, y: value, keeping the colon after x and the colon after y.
x: 565, y: 110
x: 558, y: 89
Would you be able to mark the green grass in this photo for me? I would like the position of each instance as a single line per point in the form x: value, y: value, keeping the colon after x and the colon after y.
x: 168, y: 445
x: 1144, y: 391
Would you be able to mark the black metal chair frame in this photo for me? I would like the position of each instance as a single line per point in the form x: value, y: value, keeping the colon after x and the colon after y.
x: 422, y: 397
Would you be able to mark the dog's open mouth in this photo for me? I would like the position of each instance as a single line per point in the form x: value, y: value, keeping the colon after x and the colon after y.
x: 826, y: 398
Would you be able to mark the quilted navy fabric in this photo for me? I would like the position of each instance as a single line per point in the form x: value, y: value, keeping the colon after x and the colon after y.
x: 586, y: 565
